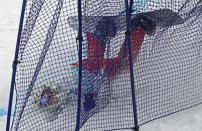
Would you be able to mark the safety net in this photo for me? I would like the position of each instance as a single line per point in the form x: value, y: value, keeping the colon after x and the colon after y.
x: 95, y: 65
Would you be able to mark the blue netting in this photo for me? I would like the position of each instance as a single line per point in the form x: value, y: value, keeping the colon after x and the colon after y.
x: 166, y: 44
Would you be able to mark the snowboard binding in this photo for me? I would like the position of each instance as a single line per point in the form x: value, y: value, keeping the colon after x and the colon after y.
x: 144, y: 22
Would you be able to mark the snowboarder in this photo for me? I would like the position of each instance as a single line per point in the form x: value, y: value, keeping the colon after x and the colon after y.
x: 105, y: 30
x: 98, y: 34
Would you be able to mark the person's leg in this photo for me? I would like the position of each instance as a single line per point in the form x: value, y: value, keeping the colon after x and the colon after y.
x: 96, y: 41
x: 113, y: 65
x: 140, y: 25
x: 137, y: 39
x: 95, y: 54
x: 96, y: 51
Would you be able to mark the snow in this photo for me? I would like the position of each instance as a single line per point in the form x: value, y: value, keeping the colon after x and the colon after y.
x: 9, y: 19
x: 188, y: 120
x: 3, y: 123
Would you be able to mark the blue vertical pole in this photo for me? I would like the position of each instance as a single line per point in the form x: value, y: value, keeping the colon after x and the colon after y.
x: 131, y: 7
x: 80, y: 38
x: 15, y: 65
x: 128, y: 33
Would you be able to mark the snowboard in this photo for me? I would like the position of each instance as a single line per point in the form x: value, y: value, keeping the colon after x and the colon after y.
x: 162, y: 18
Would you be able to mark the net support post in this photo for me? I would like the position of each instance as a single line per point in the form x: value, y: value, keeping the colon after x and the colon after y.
x: 80, y: 39
x: 15, y: 63
x: 135, y: 128
x: 128, y: 40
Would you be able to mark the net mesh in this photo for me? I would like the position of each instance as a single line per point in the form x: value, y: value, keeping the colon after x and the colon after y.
x: 166, y: 56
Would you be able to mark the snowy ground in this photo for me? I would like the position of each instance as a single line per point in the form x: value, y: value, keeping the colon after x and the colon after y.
x: 188, y: 120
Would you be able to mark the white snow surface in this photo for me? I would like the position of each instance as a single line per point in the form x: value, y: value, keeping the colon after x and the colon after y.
x: 188, y: 120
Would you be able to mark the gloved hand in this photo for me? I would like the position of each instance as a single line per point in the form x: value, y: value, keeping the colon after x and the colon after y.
x: 105, y: 29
